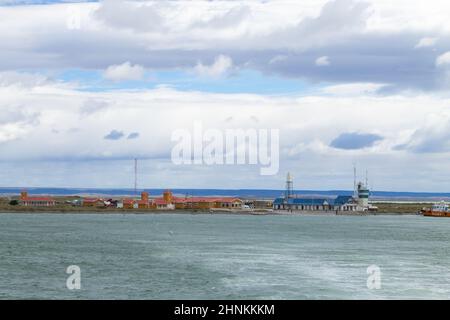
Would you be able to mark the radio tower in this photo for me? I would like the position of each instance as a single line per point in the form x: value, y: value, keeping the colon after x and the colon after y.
x: 135, y: 175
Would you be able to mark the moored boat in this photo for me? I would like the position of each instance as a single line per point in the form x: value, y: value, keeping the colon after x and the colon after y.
x: 438, y: 210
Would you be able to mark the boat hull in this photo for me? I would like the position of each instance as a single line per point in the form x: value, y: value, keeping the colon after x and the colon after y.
x: 443, y: 214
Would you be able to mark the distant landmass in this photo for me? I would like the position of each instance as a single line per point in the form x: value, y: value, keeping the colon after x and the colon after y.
x: 243, y: 193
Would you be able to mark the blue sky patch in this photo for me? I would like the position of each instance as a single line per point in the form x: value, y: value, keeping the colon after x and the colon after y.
x: 354, y: 141
x: 247, y: 81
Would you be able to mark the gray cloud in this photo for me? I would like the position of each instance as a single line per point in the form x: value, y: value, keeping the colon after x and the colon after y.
x: 337, y: 18
x: 133, y: 135
x: 114, y: 135
x: 372, y: 58
x: 231, y: 18
x: 433, y: 137
x: 24, y: 79
x: 339, y: 32
x: 354, y: 140
x: 140, y: 18
x: 9, y: 115
x: 17, y: 114
x: 91, y: 106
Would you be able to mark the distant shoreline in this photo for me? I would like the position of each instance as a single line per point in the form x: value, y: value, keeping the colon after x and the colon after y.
x: 62, y: 206
x: 378, y: 196
x: 49, y: 210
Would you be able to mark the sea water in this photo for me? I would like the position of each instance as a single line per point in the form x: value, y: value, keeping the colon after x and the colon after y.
x: 216, y: 256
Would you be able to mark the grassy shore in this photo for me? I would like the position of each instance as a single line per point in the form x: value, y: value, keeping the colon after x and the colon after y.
x: 400, y: 208
x: 63, y: 207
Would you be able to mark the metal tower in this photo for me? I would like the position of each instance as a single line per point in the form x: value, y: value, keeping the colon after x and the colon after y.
x: 367, y: 178
x: 135, y: 175
x: 289, y: 186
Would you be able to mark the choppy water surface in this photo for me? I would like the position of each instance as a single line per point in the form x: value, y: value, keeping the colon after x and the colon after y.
x: 183, y: 256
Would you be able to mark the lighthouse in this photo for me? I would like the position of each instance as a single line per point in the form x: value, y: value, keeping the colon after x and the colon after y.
x: 289, y: 187
x: 363, y: 195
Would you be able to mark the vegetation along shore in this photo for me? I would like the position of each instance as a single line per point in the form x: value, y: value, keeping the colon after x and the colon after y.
x: 64, y: 204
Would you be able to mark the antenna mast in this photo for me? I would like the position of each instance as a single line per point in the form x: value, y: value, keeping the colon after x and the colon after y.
x: 135, y: 175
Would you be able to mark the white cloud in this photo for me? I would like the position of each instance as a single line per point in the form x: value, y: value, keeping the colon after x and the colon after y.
x: 221, y: 65
x: 22, y: 79
x: 15, y: 121
x: 134, y: 15
x: 426, y: 42
x: 322, y: 61
x: 353, y: 89
x: 227, y: 18
x: 91, y: 106
x: 278, y: 58
x: 432, y: 136
x: 59, y: 123
x: 443, y: 59
x: 308, y: 124
x: 124, y: 71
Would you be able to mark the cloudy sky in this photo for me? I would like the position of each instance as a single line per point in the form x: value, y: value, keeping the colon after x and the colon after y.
x: 85, y: 87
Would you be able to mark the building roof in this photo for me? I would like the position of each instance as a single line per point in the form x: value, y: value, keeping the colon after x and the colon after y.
x: 338, y: 201
x: 91, y: 199
x: 200, y: 199
x: 160, y: 201
x: 310, y: 201
x: 228, y: 200
x: 207, y: 199
x: 302, y: 201
x: 37, y: 199
x: 278, y: 201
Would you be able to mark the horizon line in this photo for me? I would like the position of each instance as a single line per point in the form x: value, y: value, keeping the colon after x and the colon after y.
x: 221, y: 189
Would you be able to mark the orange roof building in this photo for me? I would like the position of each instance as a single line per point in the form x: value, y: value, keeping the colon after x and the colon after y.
x: 40, y: 201
x: 197, y: 202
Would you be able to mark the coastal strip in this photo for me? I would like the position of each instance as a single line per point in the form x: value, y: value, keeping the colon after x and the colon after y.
x: 63, y: 205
